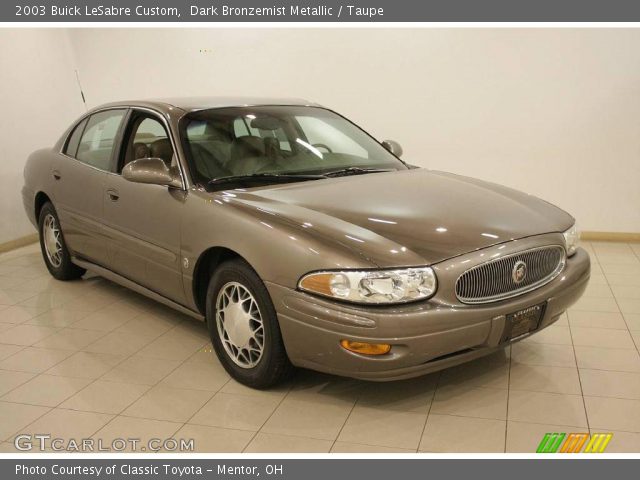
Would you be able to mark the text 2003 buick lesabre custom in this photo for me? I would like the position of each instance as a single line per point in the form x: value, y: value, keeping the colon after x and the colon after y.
x: 299, y: 238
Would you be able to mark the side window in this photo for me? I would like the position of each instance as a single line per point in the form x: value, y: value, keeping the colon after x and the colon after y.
x: 74, y: 139
x: 147, y: 139
x: 282, y: 139
x: 196, y: 128
x: 242, y: 129
x: 96, y: 145
x: 150, y: 129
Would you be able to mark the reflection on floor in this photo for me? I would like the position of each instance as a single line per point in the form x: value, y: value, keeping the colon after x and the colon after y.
x: 89, y: 359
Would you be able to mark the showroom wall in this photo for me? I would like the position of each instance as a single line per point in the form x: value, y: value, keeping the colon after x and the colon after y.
x: 552, y: 112
x: 39, y: 99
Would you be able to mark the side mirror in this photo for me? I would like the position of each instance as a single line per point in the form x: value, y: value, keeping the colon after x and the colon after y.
x: 151, y: 170
x: 393, y: 146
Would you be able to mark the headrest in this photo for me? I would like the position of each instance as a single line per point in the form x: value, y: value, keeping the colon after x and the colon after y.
x: 272, y: 147
x: 140, y: 150
x: 217, y: 132
x: 162, y: 149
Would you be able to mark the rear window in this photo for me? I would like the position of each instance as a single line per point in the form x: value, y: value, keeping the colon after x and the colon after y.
x: 74, y: 140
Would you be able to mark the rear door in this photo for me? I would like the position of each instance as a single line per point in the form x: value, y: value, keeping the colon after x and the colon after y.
x: 80, y: 174
x: 143, y: 222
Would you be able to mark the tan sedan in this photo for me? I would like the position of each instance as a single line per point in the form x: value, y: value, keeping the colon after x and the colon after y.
x: 299, y: 238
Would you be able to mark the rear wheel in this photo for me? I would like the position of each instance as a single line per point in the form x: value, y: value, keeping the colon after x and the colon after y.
x: 54, y: 250
x: 244, y: 327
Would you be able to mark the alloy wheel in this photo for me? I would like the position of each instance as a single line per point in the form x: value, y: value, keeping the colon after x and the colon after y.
x: 52, y: 240
x: 240, y: 325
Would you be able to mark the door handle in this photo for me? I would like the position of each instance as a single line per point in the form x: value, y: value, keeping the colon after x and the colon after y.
x: 56, y: 174
x: 113, y: 195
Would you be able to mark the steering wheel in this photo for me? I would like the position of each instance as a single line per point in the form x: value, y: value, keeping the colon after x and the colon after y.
x: 322, y: 145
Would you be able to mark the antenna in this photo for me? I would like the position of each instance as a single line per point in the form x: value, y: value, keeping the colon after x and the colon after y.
x: 84, y: 101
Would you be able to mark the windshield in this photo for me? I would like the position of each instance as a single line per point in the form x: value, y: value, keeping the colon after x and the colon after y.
x: 278, y: 143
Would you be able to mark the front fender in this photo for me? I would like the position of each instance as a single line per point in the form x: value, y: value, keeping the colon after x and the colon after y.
x: 280, y: 251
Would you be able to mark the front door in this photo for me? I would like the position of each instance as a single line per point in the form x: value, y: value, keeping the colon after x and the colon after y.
x: 142, y: 221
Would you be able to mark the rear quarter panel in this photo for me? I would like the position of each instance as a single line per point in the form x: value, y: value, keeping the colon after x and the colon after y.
x: 37, y: 178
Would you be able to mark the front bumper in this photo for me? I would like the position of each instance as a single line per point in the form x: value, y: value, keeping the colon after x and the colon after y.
x: 425, y: 336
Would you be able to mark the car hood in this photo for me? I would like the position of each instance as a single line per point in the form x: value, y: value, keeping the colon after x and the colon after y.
x: 410, y: 216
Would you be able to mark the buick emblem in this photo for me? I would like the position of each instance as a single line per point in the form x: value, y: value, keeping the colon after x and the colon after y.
x: 519, y: 271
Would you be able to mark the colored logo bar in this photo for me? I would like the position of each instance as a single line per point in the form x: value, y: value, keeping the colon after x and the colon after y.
x: 574, y: 443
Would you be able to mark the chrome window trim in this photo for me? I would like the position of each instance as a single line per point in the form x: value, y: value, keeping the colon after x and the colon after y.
x: 513, y: 293
x: 155, y: 113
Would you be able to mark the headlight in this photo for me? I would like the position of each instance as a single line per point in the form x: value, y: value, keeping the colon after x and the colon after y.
x: 375, y: 286
x: 571, y: 238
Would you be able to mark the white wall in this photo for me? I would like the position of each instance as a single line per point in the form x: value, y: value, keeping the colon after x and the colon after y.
x: 39, y: 99
x: 551, y: 112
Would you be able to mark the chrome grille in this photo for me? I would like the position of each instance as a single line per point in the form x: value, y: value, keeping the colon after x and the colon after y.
x: 494, y: 280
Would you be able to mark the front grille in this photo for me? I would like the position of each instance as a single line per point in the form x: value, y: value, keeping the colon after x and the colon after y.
x: 496, y: 279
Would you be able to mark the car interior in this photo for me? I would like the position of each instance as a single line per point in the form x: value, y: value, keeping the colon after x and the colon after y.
x: 147, y: 138
x: 237, y: 146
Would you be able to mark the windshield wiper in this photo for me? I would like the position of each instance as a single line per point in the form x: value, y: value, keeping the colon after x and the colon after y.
x: 256, y: 177
x: 356, y: 171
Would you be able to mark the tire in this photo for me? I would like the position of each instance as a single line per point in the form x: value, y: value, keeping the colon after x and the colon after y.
x: 246, y: 302
x: 54, y: 250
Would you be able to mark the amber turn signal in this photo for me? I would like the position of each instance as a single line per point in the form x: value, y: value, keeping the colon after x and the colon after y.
x: 318, y: 283
x: 366, y: 348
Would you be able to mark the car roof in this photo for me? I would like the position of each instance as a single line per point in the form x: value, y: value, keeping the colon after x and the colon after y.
x: 190, y: 104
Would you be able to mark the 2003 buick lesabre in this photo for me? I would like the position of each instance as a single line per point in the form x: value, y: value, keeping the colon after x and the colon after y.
x: 299, y: 238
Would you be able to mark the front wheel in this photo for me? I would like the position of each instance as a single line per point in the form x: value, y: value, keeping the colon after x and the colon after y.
x: 244, y: 327
x: 54, y: 250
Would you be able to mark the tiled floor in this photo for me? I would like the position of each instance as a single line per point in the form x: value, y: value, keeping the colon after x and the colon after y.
x: 89, y: 359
